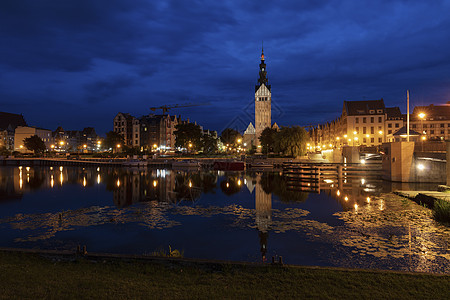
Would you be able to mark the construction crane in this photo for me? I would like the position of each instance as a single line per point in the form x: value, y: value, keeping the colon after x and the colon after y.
x: 166, y: 108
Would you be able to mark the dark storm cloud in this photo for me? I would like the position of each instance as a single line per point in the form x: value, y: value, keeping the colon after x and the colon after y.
x: 102, y: 90
x: 136, y: 54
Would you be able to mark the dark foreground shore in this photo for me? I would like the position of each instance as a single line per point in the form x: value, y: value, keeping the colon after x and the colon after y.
x: 30, y: 275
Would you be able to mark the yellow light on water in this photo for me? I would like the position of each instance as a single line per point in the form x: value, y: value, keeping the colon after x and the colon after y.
x: 118, y: 183
x: 98, y: 178
x: 239, y: 182
x: 155, y: 183
x: 346, y: 198
x: 338, y: 193
x: 84, y: 181
x: 52, y: 182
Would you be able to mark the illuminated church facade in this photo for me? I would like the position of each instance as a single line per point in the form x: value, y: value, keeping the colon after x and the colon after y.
x: 263, y: 108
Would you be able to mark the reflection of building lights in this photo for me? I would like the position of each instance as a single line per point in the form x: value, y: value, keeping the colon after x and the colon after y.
x: 61, y: 178
x: 155, y: 183
x: 368, y: 199
x: 338, y: 193
x: 52, y: 182
x: 84, y: 181
x: 190, y: 184
x: 420, y: 167
x: 20, y: 168
x: 381, y: 205
x: 245, y: 181
x: 118, y: 183
x: 346, y: 198
x: 98, y: 178
x: 239, y: 182
x: 228, y: 185
x: 28, y: 178
x: 20, y: 183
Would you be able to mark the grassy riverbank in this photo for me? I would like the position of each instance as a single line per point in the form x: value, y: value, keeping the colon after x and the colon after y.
x: 30, y: 276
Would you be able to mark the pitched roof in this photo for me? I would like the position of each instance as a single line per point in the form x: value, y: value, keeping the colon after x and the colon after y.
x: 13, y: 120
x: 250, y: 129
x: 354, y: 108
x: 393, y: 112
x: 435, y: 112
x: 402, y: 131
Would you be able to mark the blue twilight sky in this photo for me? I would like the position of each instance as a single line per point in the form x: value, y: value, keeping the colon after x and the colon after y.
x: 76, y: 63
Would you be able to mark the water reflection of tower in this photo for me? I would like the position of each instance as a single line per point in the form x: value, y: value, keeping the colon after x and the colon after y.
x: 263, y: 206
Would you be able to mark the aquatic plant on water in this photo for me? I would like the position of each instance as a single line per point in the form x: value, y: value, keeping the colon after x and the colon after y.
x: 441, y: 211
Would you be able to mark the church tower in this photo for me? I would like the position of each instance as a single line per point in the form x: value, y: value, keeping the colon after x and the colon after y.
x: 263, y: 100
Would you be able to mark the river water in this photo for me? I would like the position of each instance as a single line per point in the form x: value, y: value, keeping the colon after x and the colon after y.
x: 235, y: 216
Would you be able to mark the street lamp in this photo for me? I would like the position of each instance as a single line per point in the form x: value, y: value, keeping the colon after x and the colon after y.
x: 422, y: 116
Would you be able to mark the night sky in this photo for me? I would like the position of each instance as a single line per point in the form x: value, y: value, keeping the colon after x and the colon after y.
x: 77, y: 63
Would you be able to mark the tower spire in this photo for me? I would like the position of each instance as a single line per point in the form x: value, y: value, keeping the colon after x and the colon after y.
x: 262, y: 50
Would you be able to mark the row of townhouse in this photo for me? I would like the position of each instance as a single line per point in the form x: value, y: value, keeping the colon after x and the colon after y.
x: 370, y: 123
x: 14, y: 130
x: 150, y: 132
x: 59, y: 140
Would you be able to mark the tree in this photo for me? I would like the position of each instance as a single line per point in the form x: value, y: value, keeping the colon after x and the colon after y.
x: 35, y: 143
x: 209, y: 144
x: 267, y: 139
x: 230, y: 136
x: 188, y: 136
x: 113, y: 139
x: 291, y: 141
